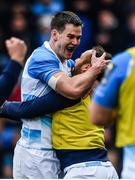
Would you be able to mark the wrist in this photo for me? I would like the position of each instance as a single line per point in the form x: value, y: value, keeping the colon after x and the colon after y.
x: 94, y: 71
x: 18, y: 60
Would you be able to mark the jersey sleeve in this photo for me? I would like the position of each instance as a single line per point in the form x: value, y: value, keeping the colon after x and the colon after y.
x: 8, y: 79
x: 106, y: 94
x: 43, y: 66
x: 30, y: 109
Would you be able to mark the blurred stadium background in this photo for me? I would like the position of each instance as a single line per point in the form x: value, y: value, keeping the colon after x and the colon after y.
x: 110, y: 23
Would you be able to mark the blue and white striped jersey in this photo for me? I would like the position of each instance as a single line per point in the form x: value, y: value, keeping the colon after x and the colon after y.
x: 39, y: 68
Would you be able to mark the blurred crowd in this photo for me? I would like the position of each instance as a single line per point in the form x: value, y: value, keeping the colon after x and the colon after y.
x: 109, y: 23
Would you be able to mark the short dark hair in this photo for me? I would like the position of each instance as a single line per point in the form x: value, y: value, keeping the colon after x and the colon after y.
x: 65, y: 17
x: 99, y: 52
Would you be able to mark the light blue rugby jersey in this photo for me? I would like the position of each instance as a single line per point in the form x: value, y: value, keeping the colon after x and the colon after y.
x: 39, y: 68
x: 106, y: 94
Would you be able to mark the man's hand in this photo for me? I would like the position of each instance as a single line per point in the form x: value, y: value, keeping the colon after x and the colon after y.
x: 90, y: 57
x: 16, y: 49
x: 98, y: 64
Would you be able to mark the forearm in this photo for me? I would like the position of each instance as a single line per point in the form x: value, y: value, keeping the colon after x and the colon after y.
x: 8, y: 80
x: 39, y: 106
x: 78, y: 85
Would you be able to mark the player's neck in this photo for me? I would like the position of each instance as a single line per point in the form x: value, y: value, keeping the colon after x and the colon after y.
x: 55, y: 49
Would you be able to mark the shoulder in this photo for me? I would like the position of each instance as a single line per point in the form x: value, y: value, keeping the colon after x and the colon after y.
x: 122, y: 58
x: 121, y: 62
x: 43, y: 53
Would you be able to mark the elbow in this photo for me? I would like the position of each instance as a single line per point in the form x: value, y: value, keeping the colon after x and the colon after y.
x: 104, y: 124
x: 98, y: 122
x: 97, y: 115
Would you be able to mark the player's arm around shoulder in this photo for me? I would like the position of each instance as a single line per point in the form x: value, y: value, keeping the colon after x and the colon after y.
x: 78, y: 85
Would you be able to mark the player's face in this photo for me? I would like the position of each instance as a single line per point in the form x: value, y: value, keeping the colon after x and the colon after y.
x: 68, y: 41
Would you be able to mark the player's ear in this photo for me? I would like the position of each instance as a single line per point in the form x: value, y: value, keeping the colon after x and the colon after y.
x: 54, y: 34
x: 85, y: 67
